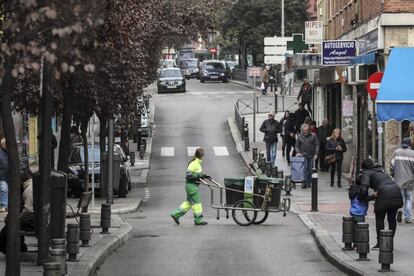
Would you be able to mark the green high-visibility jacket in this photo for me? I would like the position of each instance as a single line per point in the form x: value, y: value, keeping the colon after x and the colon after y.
x: 194, y: 171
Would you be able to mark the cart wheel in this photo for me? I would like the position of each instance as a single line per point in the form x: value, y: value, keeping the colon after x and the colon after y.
x: 261, y: 220
x: 244, y: 217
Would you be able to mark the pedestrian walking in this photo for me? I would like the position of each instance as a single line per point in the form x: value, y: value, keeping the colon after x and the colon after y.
x: 75, y: 136
x: 290, y: 136
x: 270, y: 128
x: 403, y: 172
x: 305, y: 94
x: 300, y: 116
x: 265, y: 80
x: 194, y: 173
x: 4, y: 177
x: 335, y: 148
x: 282, y: 125
x: 307, y: 145
x: 358, y: 208
x: 387, y: 195
x: 324, y: 132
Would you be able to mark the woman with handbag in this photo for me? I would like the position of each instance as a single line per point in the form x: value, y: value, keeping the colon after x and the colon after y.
x: 335, y: 148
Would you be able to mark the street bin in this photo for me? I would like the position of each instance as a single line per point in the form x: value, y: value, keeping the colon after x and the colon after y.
x: 116, y: 172
x: 231, y: 196
x: 260, y: 188
x: 58, y: 192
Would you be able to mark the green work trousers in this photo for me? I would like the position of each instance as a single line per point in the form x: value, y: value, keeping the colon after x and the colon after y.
x: 193, y: 202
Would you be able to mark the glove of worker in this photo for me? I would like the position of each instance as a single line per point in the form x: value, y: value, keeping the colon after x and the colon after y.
x: 206, y: 176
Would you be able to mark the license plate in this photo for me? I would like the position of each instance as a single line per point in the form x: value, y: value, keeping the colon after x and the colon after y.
x: 214, y: 77
x: 172, y: 86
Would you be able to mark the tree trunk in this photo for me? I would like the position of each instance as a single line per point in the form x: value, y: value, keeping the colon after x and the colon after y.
x: 86, y: 160
x: 102, y: 133
x: 65, y: 143
x: 13, y: 217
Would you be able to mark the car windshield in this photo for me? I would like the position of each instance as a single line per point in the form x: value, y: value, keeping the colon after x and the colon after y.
x: 167, y: 63
x: 214, y: 66
x: 77, y: 155
x: 190, y: 63
x: 170, y: 74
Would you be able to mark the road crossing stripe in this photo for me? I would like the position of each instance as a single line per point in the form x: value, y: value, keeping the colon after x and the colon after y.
x: 167, y: 151
x: 191, y: 150
x: 221, y: 151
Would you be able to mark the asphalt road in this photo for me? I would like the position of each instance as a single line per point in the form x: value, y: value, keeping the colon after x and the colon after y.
x: 281, y: 246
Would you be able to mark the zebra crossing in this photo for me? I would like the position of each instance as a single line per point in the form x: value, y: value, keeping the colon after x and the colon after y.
x: 205, y: 94
x: 171, y: 152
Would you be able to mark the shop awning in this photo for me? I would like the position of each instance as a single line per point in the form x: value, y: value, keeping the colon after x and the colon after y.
x: 396, y: 94
x: 369, y: 58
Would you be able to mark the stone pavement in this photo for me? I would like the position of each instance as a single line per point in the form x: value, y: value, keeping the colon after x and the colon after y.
x: 326, y: 224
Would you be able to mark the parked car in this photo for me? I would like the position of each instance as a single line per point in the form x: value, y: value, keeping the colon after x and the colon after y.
x: 213, y: 70
x: 189, y: 68
x: 171, y: 80
x: 76, y: 170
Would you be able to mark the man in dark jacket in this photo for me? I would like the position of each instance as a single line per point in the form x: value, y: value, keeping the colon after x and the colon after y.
x: 307, y: 145
x: 387, y: 194
x: 306, y: 94
x: 324, y: 131
x: 270, y: 128
x: 300, y: 116
x: 4, y: 176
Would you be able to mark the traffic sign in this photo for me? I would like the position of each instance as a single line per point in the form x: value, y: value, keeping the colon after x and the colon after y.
x: 373, y: 84
x: 213, y: 50
x: 254, y: 71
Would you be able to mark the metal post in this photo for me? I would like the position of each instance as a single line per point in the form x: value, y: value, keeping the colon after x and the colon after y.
x: 386, y: 247
x: 254, y: 109
x: 72, y: 237
x: 85, y: 229
x: 93, y: 159
x: 347, y: 232
x: 45, y: 167
x: 362, y: 241
x: 105, y: 218
x: 110, y: 187
x: 283, y: 19
x: 314, y: 190
x: 374, y: 130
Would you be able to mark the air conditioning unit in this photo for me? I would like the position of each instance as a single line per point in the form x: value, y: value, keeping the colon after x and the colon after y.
x: 357, y: 74
x: 361, y: 73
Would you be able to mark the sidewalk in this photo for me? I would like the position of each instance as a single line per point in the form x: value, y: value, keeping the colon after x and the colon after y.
x: 326, y: 224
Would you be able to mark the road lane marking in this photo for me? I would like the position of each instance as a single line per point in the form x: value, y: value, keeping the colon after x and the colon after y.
x: 147, y: 194
x: 167, y: 151
x: 191, y: 150
x: 221, y: 151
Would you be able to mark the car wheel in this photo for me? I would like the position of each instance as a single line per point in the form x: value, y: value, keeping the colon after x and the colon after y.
x: 184, y: 90
x: 202, y: 80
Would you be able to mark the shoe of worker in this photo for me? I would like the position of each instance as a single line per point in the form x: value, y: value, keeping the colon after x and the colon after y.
x: 175, y: 220
x: 201, y: 223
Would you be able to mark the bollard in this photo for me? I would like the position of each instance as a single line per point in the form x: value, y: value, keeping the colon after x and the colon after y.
x: 314, y: 190
x: 72, y: 237
x: 362, y: 241
x: 58, y: 244
x: 386, y: 246
x: 261, y: 162
x: 59, y: 256
x: 51, y: 269
x: 347, y: 232
x: 288, y: 185
x: 105, y: 217
x: 85, y: 229
x: 132, y: 158
x: 246, y: 137
x: 142, y: 150
x: 255, y: 155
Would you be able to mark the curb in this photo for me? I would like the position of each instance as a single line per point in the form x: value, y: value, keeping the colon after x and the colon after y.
x: 95, y: 257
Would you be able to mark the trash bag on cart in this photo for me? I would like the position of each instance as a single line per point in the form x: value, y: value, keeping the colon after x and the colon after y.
x: 260, y: 189
x: 297, y: 166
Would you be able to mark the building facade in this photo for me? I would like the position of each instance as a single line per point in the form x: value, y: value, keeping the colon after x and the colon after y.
x: 377, y: 26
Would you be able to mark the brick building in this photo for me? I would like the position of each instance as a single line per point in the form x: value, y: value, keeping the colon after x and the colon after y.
x: 377, y: 26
